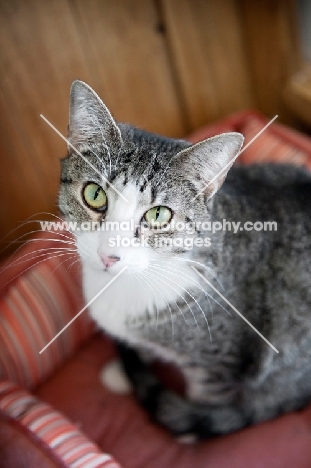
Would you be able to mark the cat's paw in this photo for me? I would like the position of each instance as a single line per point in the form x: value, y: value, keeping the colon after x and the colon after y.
x: 175, y: 413
x: 113, y: 377
x: 187, y: 439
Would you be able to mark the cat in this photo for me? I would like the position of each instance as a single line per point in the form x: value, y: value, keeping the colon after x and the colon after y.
x: 159, y: 306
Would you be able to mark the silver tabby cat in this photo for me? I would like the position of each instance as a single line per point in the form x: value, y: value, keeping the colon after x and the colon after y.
x: 159, y: 305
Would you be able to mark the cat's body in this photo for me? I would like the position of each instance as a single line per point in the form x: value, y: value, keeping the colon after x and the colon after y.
x: 161, y: 304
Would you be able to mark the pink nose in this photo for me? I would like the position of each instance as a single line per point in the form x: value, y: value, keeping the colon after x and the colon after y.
x: 109, y: 260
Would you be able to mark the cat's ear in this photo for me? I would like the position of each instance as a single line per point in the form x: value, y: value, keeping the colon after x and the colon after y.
x: 89, y: 119
x: 208, y: 162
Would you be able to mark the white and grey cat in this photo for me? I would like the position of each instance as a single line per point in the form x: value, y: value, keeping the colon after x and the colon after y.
x: 159, y: 303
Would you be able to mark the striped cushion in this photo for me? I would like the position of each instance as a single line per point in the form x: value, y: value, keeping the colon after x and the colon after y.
x: 277, y: 143
x: 34, y: 308
x: 48, y: 427
x: 36, y: 305
x: 271, y: 147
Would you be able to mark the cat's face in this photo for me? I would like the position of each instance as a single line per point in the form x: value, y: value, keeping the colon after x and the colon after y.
x: 129, y: 182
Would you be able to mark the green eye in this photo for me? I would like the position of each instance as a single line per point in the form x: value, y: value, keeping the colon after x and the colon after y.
x: 94, y: 196
x: 158, y: 215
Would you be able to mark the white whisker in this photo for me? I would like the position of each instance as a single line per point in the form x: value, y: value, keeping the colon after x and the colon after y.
x: 73, y: 263
x: 20, y: 260
x: 151, y: 276
x: 185, y: 275
x: 203, y: 266
x: 213, y: 299
x: 140, y: 277
x: 31, y: 266
x: 193, y: 261
x: 168, y: 305
x: 193, y: 298
x: 180, y: 295
x: 61, y: 263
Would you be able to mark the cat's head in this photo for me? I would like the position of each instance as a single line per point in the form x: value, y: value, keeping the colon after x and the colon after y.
x: 132, y: 181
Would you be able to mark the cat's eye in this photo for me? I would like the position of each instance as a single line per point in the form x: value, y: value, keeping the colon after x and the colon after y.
x: 158, y: 215
x: 94, y: 196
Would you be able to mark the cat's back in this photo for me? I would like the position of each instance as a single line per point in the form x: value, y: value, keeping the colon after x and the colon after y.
x: 272, y: 243
x: 269, y: 189
x: 270, y: 176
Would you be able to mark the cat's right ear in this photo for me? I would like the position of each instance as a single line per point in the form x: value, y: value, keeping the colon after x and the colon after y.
x: 89, y: 120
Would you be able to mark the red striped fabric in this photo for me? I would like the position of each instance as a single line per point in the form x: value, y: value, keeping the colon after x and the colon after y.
x: 51, y: 428
x: 38, y: 303
x: 277, y: 143
x: 270, y: 146
x: 39, y: 299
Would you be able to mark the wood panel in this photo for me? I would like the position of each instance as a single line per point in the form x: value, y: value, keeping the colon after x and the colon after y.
x: 271, y: 29
x: 206, y: 41
x: 126, y: 52
x: 114, y: 46
x: 297, y: 94
x: 35, y: 74
x: 164, y: 65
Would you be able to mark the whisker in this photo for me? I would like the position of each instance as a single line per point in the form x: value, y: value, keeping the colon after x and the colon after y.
x: 61, y: 234
x: 205, y: 267
x: 31, y: 266
x: 181, y: 312
x: 28, y: 220
x: 51, y: 239
x: 216, y: 302
x: 18, y: 239
x: 198, y: 263
x: 61, y: 263
x: 180, y: 295
x: 40, y: 239
x: 140, y: 277
x: 192, y: 280
x: 78, y: 260
x: 20, y: 260
x: 31, y: 219
x: 35, y: 240
x: 169, y: 307
x: 193, y: 298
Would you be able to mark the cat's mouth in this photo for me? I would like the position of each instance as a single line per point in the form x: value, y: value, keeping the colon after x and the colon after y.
x: 124, y: 267
x: 114, y: 262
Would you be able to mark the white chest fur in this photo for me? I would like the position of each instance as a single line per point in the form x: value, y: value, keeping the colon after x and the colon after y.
x: 135, y: 297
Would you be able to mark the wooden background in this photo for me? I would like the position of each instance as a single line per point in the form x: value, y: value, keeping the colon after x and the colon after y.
x: 168, y: 66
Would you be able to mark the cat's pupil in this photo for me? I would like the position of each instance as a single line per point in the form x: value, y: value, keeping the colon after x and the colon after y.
x: 96, y: 193
x: 157, y: 212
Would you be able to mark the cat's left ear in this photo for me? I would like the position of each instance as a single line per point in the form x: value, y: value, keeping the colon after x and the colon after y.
x: 208, y: 162
x: 89, y: 120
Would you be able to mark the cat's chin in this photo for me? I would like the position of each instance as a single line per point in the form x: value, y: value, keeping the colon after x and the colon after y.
x: 114, y: 270
x: 136, y: 297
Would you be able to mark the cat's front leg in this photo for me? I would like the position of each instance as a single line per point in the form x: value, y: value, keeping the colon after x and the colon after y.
x: 180, y: 415
x: 212, y: 386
